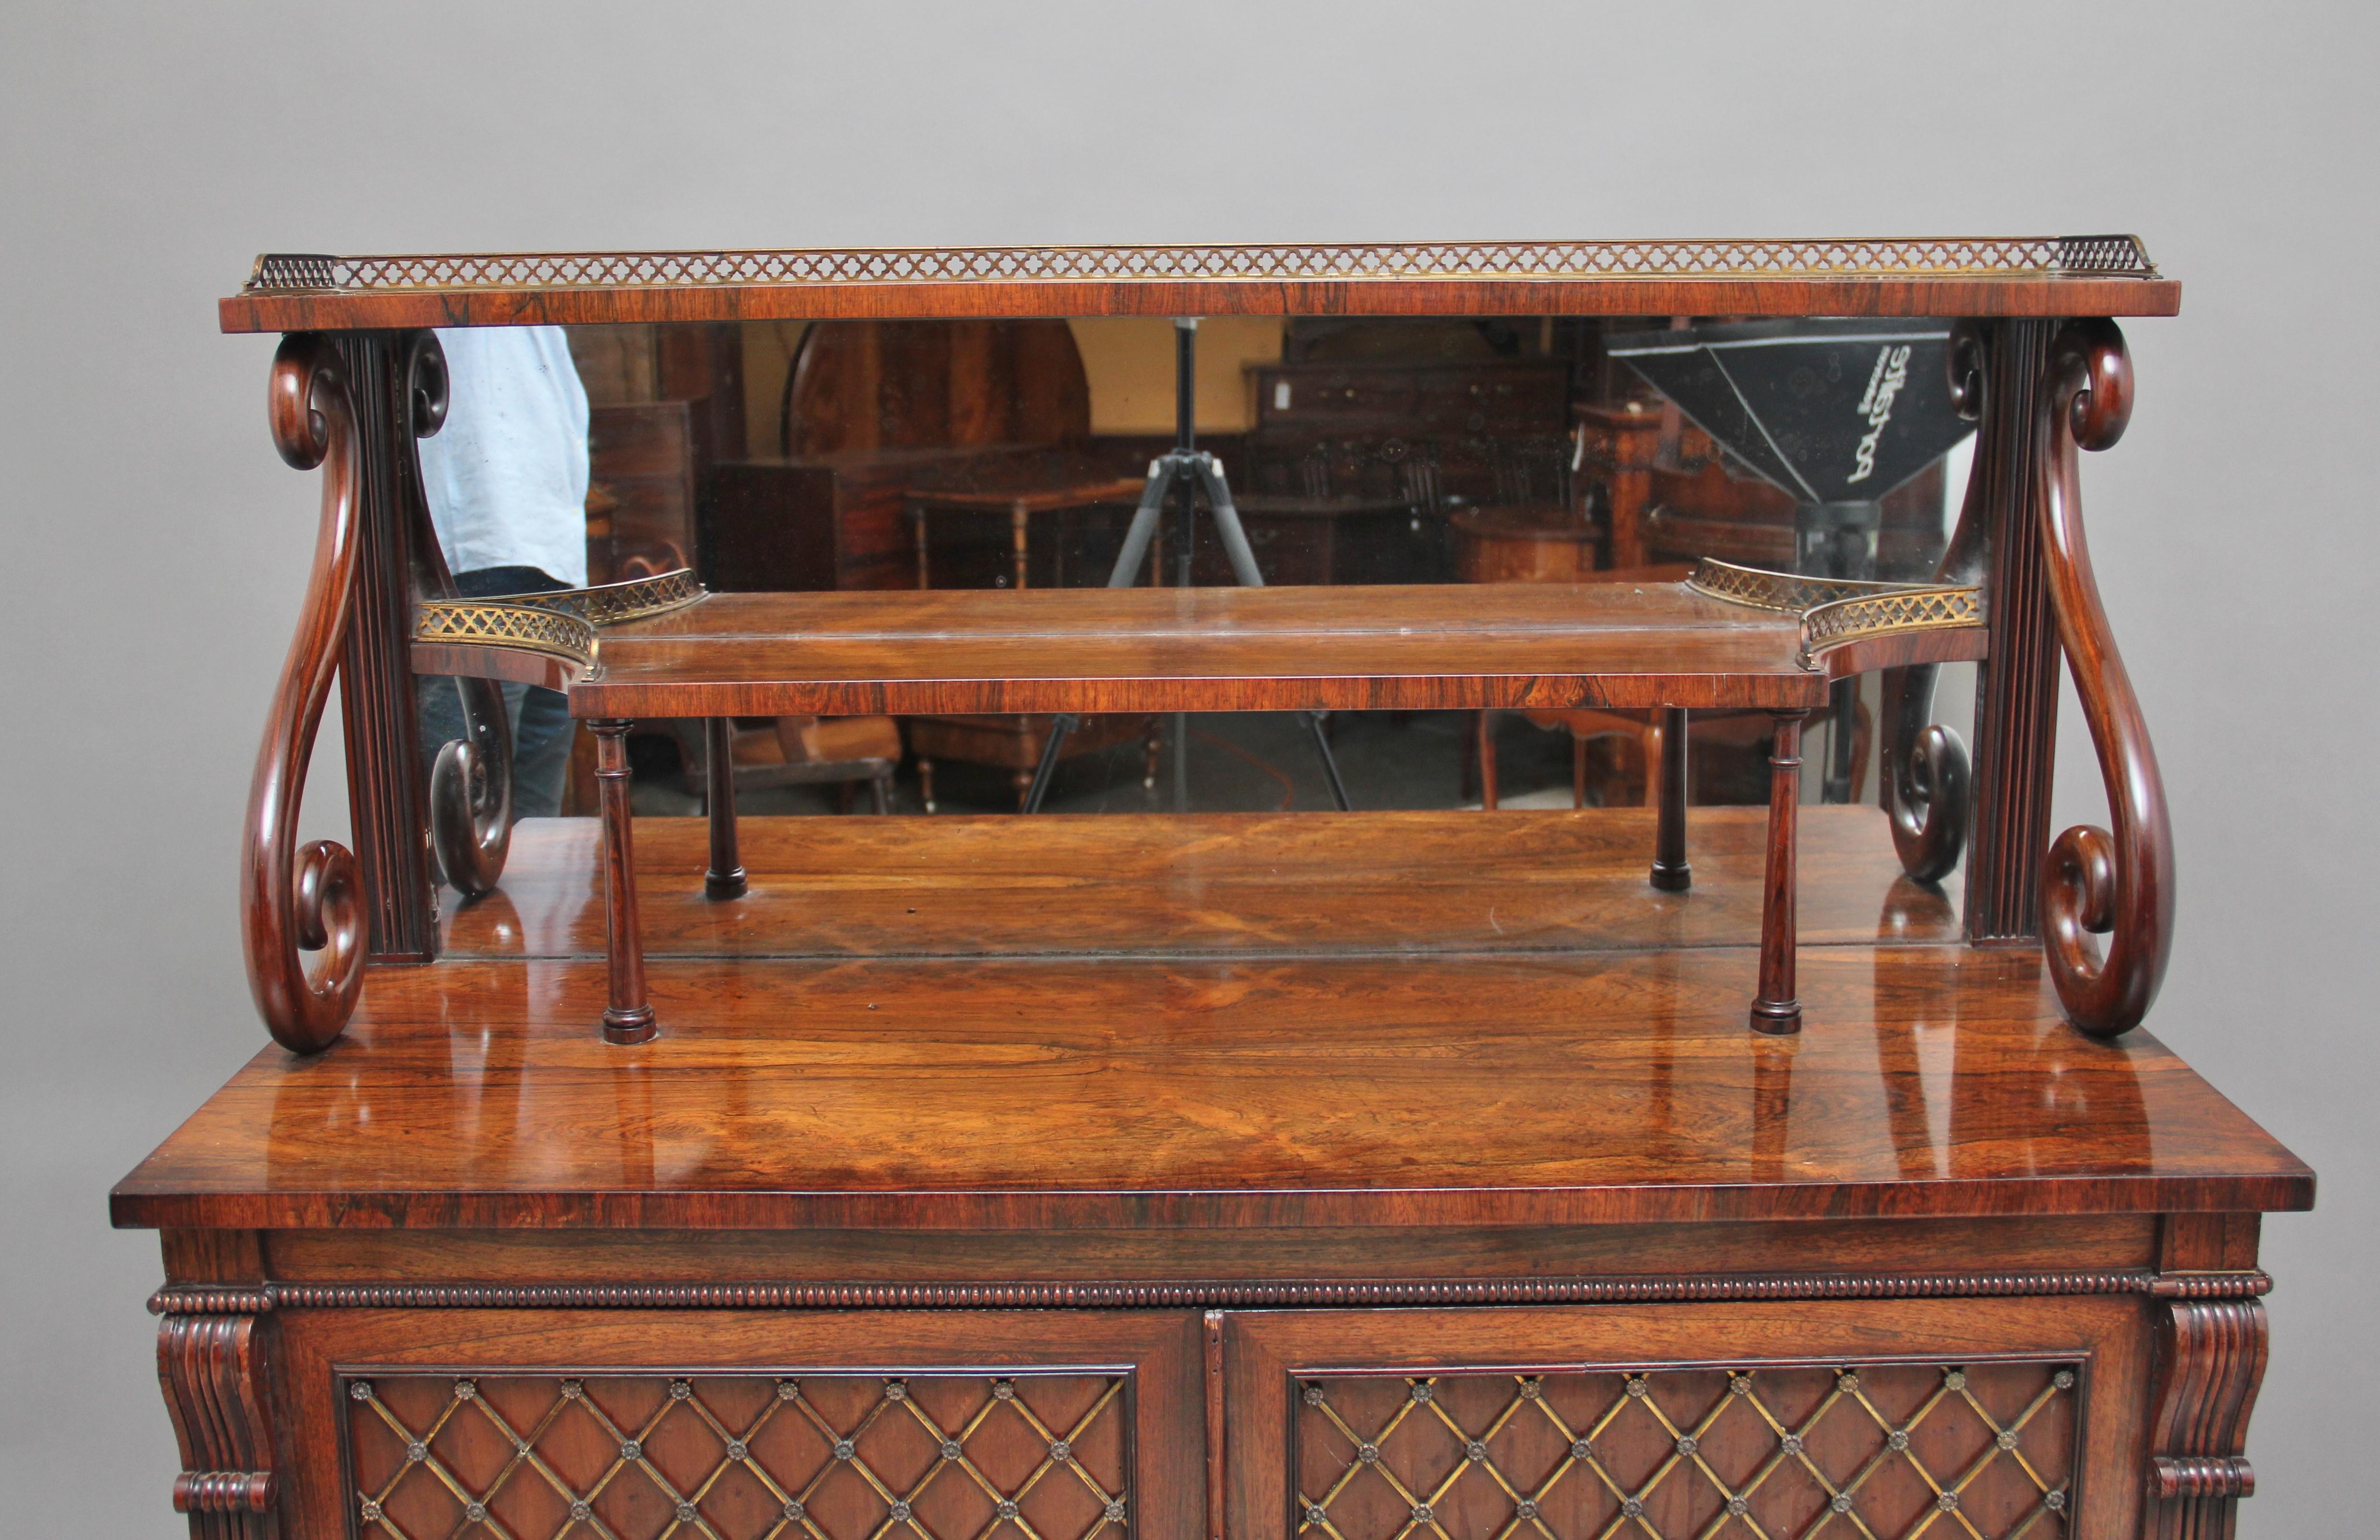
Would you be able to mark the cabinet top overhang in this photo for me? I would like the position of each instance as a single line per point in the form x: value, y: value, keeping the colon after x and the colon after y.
x: 2038, y: 275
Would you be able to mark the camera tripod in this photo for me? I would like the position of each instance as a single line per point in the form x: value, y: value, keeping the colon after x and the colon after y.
x: 1183, y: 473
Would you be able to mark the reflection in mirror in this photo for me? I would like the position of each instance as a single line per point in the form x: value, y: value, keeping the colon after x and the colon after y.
x: 1013, y: 455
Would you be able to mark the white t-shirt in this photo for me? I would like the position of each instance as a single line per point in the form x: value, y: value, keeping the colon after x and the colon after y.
x: 507, y: 476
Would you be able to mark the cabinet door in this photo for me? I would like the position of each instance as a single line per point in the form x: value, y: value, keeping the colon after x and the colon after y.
x: 943, y: 1425
x: 1880, y: 1418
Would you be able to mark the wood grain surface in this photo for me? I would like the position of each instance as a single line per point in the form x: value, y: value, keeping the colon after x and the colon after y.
x: 1234, y: 884
x: 1508, y: 646
x: 1425, y: 1018
x: 1579, y: 1088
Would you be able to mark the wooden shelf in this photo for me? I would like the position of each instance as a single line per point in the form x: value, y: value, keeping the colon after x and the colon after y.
x: 1244, y: 885
x: 2044, y: 276
x: 1251, y: 1077
x: 1609, y: 645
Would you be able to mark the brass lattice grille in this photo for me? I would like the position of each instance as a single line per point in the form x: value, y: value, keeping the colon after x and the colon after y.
x: 546, y: 629
x: 1838, y: 610
x: 1763, y: 590
x: 1897, y: 1450
x: 738, y: 1456
x: 1847, y: 620
x: 2038, y: 256
x: 612, y: 604
x: 561, y: 624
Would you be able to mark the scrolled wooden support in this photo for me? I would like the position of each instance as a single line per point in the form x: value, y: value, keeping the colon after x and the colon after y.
x: 425, y: 383
x: 1965, y: 361
x: 1925, y: 782
x: 2119, y: 884
x: 2210, y: 1362
x: 471, y: 781
x: 213, y: 1372
x: 294, y: 900
x: 471, y: 792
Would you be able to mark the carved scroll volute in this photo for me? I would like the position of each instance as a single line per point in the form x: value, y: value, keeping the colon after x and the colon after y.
x: 296, y: 901
x: 471, y: 781
x: 2095, y: 883
x: 214, y: 1372
x: 2210, y: 1362
x: 1924, y: 785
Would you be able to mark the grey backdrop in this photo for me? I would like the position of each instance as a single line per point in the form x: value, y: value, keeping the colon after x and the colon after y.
x: 156, y: 547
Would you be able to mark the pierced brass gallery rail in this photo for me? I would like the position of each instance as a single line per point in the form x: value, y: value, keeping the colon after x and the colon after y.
x: 562, y: 626
x: 617, y: 603
x: 2044, y: 256
x: 508, y: 624
x: 1847, y: 620
x: 1835, y: 611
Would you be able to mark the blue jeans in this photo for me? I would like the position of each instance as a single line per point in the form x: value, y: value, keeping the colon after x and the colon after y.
x: 539, y: 718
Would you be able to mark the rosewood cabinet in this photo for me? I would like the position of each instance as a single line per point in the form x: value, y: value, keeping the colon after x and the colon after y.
x: 1423, y: 434
x: 1330, y: 1421
x: 1379, y: 1176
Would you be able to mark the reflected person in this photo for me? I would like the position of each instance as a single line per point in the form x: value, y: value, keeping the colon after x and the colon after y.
x: 506, y: 481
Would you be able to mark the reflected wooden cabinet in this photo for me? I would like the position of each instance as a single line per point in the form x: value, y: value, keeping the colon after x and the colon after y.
x: 642, y: 475
x: 1430, y: 434
x: 664, y: 403
x: 1498, y: 397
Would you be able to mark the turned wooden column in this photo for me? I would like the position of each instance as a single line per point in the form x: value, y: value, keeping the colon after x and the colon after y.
x: 1671, y: 872
x: 725, y: 879
x: 1778, y: 1008
x: 1484, y: 735
x: 629, y: 1016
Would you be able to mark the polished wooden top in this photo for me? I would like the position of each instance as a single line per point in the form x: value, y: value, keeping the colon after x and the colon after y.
x: 2054, y: 275
x: 1046, y: 1072
x: 1608, y: 645
x: 1226, y: 885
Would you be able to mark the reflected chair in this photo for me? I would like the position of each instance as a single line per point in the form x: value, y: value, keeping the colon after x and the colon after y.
x: 801, y: 751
